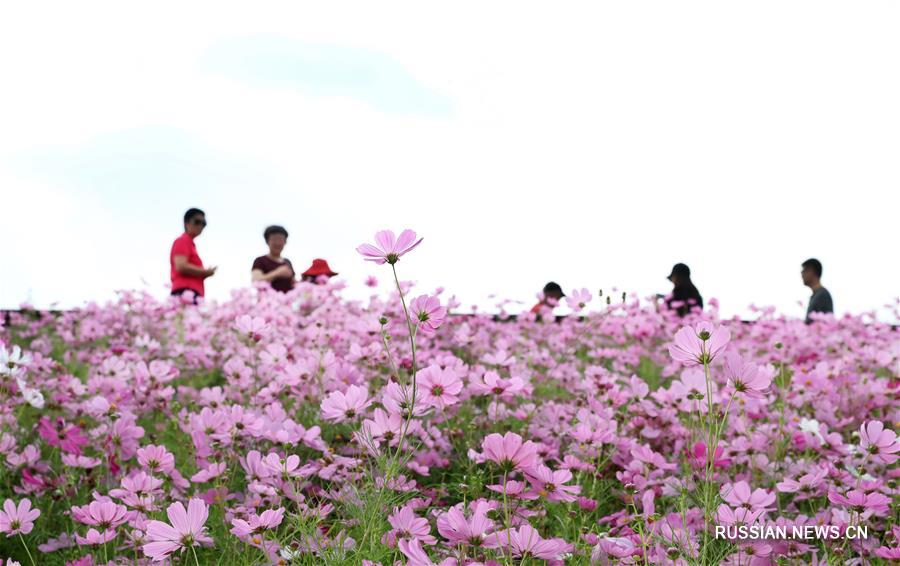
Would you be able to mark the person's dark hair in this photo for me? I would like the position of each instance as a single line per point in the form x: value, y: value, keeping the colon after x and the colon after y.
x: 681, y: 270
x: 553, y: 288
x: 275, y: 229
x: 191, y: 213
x: 815, y: 265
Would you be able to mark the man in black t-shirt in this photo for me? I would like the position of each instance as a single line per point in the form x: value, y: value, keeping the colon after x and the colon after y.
x: 685, y: 296
x: 272, y: 267
x: 820, y: 301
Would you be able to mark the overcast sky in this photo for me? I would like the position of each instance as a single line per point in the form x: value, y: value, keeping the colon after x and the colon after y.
x: 594, y: 144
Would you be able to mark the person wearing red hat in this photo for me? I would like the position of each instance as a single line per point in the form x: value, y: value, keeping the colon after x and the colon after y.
x: 277, y: 270
x: 318, y: 272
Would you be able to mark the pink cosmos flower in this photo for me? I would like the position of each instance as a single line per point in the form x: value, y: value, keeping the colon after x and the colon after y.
x: 861, y: 502
x: 880, y: 442
x: 407, y: 526
x: 492, y: 384
x: 740, y: 516
x: 371, y: 281
x: 551, y: 485
x: 398, y: 400
x: 95, y: 537
x: 416, y: 555
x: 157, y: 459
x: 255, y: 524
x: 739, y: 495
x: 698, y: 456
x: 19, y: 519
x: 700, y: 344
x: 578, y: 299
x: 104, y: 514
x: 427, y: 313
x: 388, y: 248
x: 57, y: 433
x: 745, y: 376
x: 211, y: 471
x: 342, y: 407
x: 526, y: 542
x: 454, y: 526
x: 509, y: 451
x: 439, y: 387
x: 187, y: 529
x: 253, y: 327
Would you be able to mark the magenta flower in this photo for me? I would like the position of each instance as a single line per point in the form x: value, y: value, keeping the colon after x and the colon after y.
x: 510, y: 452
x: 551, y: 485
x: 454, y: 526
x: 187, y: 530
x: 19, y: 519
x: 880, y: 442
x: 57, y: 433
x: 388, y: 248
x: 439, y: 387
x: 342, y: 407
x: 700, y: 344
x: 427, y: 313
x: 745, y: 376
x: 526, y: 542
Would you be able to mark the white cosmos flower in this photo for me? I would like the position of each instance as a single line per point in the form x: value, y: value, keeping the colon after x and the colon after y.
x: 812, y: 426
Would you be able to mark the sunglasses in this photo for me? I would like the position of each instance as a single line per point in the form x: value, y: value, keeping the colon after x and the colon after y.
x: 198, y: 222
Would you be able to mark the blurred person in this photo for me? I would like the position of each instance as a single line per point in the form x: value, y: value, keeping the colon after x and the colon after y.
x: 277, y: 270
x: 319, y: 272
x: 187, y: 271
x: 550, y: 297
x: 684, y: 296
x: 820, y: 301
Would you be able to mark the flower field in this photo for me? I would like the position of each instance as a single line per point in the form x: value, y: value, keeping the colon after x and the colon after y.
x: 304, y: 428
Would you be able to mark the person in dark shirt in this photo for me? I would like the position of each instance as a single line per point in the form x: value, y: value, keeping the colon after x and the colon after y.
x: 820, y: 301
x: 552, y: 295
x: 685, y: 296
x: 271, y: 267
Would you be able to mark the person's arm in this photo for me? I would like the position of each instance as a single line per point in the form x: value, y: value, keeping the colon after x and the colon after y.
x: 277, y: 273
x: 183, y: 267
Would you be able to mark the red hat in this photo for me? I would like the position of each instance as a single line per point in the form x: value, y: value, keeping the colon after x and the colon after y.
x: 319, y: 267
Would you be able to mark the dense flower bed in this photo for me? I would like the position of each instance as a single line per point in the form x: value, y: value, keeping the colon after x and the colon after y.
x: 288, y: 429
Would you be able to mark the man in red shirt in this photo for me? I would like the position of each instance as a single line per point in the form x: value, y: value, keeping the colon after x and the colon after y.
x: 187, y: 269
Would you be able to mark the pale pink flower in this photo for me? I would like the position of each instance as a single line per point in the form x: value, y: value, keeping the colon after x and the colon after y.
x: 492, y: 384
x: 187, y: 529
x: 416, y: 555
x: 740, y: 495
x: 253, y: 327
x: 439, y: 387
x: 880, y: 442
x: 527, y: 542
x: 551, y: 484
x: 578, y: 299
x: 95, y: 537
x: 454, y: 526
x: 406, y: 525
x: 700, y: 344
x: 745, y: 376
x: 341, y: 407
x: 427, y: 313
x: 104, y: 514
x: 509, y: 451
x: 157, y: 459
x: 19, y: 519
x: 388, y: 248
x: 211, y: 471
x: 255, y: 524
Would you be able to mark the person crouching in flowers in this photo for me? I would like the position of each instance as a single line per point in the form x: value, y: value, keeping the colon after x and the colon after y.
x: 319, y: 272
x: 550, y: 297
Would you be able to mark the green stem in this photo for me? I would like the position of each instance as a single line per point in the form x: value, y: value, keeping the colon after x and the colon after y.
x: 194, y: 552
x: 28, y: 552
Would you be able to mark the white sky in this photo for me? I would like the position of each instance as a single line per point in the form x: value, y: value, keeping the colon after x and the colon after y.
x: 594, y: 144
